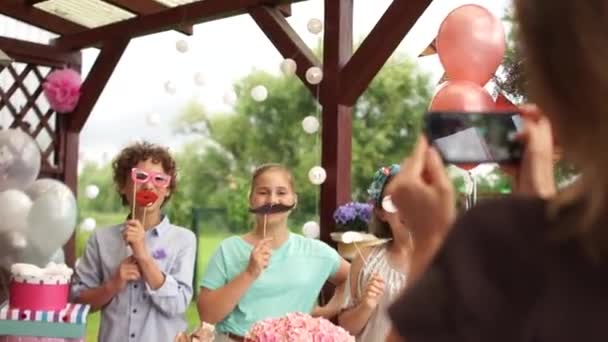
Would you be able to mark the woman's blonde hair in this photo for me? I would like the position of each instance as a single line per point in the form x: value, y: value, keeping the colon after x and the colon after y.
x: 565, y: 46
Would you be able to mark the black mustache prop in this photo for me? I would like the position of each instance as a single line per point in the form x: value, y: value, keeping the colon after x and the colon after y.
x: 271, y: 209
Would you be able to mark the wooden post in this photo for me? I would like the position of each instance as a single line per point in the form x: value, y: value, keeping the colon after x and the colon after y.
x: 337, y: 118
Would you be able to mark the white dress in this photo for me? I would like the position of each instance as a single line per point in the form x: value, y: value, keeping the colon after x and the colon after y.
x: 378, y: 325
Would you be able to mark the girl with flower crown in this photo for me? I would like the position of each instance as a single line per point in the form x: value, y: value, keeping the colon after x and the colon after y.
x: 378, y: 275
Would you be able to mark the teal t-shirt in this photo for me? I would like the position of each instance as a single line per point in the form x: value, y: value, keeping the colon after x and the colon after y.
x: 291, y: 282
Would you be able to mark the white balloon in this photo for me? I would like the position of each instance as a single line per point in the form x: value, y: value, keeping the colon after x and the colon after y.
x: 311, y: 229
x: 288, y: 66
x: 88, y: 224
x: 315, y: 26
x: 19, y: 159
x: 170, y: 87
x: 199, y: 79
x: 92, y: 191
x: 18, y: 240
x: 388, y: 205
x: 259, y: 93
x: 314, y: 75
x: 230, y: 98
x: 181, y: 46
x: 14, y: 208
x: 153, y: 119
x: 317, y: 175
x: 51, y: 220
x: 310, y: 124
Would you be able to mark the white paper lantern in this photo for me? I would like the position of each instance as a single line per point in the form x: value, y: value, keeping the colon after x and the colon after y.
x: 288, y: 66
x: 230, y: 98
x: 314, y: 75
x: 259, y: 93
x: 88, y: 224
x: 311, y: 229
x: 315, y: 26
x: 92, y: 191
x: 153, y: 119
x: 199, y: 79
x: 170, y: 87
x: 310, y: 124
x: 181, y: 46
x: 388, y: 205
x: 317, y: 175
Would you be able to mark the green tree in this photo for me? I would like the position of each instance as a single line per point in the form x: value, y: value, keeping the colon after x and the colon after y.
x: 217, y: 167
x: 513, y: 83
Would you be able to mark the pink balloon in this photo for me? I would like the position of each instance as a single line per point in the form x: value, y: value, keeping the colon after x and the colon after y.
x: 461, y: 96
x: 471, y: 44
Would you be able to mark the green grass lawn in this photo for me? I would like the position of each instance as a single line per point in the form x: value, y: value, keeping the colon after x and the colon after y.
x: 207, y: 245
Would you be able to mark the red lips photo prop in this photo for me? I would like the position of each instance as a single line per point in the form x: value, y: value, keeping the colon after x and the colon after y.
x: 145, y: 198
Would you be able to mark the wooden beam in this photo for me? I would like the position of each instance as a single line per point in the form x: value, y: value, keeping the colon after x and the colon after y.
x: 20, y: 10
x: 67, y: 159
x: 143, y: 7
x: 33, y: 2
x: 39, y: 54
x: 195, y: 12
x: 377, y: 47
x: 285, y: 10
x: 96, y: 81
x: 336, y: 134
x: 286, y: 40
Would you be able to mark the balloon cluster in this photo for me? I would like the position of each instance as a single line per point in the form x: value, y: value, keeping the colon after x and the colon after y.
x: 471, y: 45
x: 38, y: 216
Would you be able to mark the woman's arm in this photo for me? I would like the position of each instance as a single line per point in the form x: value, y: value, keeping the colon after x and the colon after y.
x: 215, y: 305
x: 356, y: 317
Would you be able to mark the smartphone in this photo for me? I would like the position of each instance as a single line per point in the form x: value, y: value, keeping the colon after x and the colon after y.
x: 475, y: 138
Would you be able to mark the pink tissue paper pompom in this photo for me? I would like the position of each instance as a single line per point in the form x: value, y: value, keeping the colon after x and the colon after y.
x: 62, y: 90
x: 297, y: 327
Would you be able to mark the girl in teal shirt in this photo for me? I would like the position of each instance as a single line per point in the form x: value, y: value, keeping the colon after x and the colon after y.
x: 269, y: 271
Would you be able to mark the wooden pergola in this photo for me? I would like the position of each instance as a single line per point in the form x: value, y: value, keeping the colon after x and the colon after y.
x: 110, y: 24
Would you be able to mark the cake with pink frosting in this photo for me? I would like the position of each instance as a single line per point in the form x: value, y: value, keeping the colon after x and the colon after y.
x: 39, y: 289
x: 297, y: 327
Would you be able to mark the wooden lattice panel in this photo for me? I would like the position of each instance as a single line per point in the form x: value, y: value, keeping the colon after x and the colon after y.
x: 23, y: 106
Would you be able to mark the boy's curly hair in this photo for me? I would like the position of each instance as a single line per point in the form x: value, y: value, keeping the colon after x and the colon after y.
x: 138, y: 152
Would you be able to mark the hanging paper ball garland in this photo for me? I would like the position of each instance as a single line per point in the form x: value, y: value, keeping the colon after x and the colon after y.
x: 314, y: 75
x: 199, y: 79
x: 259, y: 93
x: 88, y: 224
x: 229, y: 98
x: 181, y: 46
x: 288, y: 66
x: 170, y: 87
x: 315, y: 26
x: 62, y: 90
x: 92, y: 191
x: 310, y: 124
x: 311, y: 229
x: 153, y: 119
x: 317, y: 175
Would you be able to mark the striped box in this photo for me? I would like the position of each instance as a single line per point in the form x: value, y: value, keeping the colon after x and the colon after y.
x: 72, y: 314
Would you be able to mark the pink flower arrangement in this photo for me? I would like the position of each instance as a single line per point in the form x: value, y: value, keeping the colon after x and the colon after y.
x: 62, y: 90
x: 297, y: 327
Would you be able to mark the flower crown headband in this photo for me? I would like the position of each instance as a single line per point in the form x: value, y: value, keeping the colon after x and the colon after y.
x: 379, y: 181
